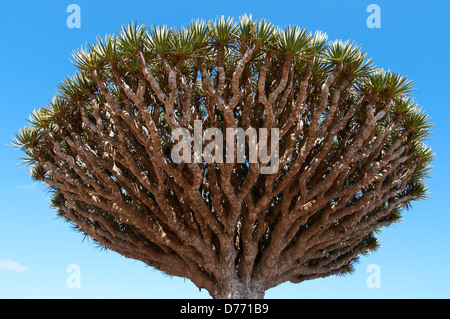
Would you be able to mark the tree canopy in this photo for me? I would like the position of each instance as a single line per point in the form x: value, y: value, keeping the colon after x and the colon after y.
x: 352, y: 155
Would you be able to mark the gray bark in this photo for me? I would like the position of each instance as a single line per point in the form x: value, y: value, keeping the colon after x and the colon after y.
x: 234, y: 288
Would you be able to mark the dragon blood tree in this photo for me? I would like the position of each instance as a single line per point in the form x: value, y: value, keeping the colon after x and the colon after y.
x: 347, y: 159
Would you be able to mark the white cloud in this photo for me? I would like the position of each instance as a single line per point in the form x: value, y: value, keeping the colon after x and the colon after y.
x: 27, y: 187
x: 12, y: 265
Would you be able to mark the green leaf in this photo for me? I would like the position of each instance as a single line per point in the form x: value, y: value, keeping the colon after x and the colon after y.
x: 293, y: 39
x: 85, y: 59
x: 419, y: 121
x: 37, y: 172
x: 131, y: 38
x: 160, y: 39
x: 201, y: 32
x: 246, y: 28
x: 317, y: 43
x: 264, y: 33
x: 224, y: 31
x: 184, y: 40
x: 388, y: 82
x: 106, y: 49
x: 39, y: 118
x: 74, y: 88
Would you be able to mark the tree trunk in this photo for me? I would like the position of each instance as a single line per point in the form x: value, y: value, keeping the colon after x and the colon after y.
x: 237, y: 289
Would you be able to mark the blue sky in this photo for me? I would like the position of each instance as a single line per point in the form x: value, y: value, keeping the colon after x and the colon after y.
x: 36, y: 248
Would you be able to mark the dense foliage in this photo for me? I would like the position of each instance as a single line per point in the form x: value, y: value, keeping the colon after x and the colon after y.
x: 352, y: 156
